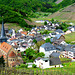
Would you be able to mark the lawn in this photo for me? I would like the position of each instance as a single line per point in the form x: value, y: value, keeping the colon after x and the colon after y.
x: 70, y: 38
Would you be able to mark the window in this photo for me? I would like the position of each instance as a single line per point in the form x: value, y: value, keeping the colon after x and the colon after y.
x: 46, y: 60
x: 13, y: 59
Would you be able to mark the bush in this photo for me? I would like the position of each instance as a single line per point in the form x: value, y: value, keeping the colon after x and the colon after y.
x: 24, y: 65
x: 34, y: 66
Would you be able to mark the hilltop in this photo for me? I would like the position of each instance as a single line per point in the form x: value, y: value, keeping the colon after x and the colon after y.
x: 67, y: 13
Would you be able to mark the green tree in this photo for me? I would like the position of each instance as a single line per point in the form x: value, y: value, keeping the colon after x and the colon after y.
x: 2, y: 61
x: 47, y: 40
x: 45, y: 23
x: 35, y: 41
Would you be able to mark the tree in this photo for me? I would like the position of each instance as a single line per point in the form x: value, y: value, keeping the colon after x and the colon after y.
x: 35, y: 41
x: 2, y: 61
x: 45, y: 23
x: 47, y: 40
x: 40, y: 55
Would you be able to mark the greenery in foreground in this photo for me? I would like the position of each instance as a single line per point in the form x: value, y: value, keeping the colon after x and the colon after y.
x: 68, y: 68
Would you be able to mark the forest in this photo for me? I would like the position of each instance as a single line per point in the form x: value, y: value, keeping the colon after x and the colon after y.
x: 15, y: 11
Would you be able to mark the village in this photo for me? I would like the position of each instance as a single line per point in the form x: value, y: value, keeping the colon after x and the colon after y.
x: 13, y: 46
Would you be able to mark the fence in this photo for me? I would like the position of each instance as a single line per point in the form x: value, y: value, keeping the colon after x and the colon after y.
x: 13, y: 71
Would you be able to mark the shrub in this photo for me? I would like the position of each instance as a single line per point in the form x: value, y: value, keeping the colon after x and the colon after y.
x: 34, y: 66
x: 24, y: 65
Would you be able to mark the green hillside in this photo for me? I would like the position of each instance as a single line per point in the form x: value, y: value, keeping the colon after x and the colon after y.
x: 15, y: 11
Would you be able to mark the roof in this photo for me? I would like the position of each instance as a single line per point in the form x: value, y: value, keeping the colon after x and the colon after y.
x: 59, y: 30
x: 58, y: 36
x: 25, y: 33
x: 48, y: 47
x: 54, y: 54
x: 2, y: 30
x: 70, y: 48
x: 45, y: 59
x: 12, y: 54
x: 5, y: 47
x: 31, y: 34
x: 54, y: 61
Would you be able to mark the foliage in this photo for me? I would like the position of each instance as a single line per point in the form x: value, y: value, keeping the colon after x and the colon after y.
x: 34, y: 66
x: 31, y: 55
x: 2, y: 61
x: 63, y: 26
x: 45, y: 23
x: 35, y: 41
x: 23, y: 66
x: 47, y: 40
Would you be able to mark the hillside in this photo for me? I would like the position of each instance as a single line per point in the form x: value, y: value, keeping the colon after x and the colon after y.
x: 58, y: 1
x: 67, y: 13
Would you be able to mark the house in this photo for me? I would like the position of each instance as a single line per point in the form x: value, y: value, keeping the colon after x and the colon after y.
x: 45, y: 36
x: 10, y: 55
x: 47, y: 62
x: 69, y: 51
x: 20, y: 30
x: 52, y: 34
x: 24, y: 33
x: 58, y: 37
x: 72, y: 28
x: 68, y: 32
x: 47, y: 49
x: 56, y: 54
x: 59, y: 31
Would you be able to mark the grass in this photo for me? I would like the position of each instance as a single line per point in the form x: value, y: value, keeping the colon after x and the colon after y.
x: 70, y: 37
x: 65, y: 59
x: 11, y: 25
x: 69, y: 68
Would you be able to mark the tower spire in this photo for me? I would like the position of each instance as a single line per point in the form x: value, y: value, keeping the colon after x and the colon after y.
x: 2, y: 30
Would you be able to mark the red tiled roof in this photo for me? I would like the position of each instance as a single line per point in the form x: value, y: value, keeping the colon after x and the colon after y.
x: 19, y: 54
x: 12, y: 54
x: 24, y: 32
x: 31, y: 34
x: 12, y: 38
x: 5, y: 47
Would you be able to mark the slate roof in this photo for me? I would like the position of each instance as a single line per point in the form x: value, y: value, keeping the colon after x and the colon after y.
x: 48, y: 47
x: 38, y: 38
x: 54, y: 61
x: 54, y: 54
x: 59, y: 30
x: 70, y: 48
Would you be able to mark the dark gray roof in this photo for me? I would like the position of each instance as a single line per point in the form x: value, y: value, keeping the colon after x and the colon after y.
x: 54, y: 54
x: 48, y: 47
x: 38, y: 38
x: 59, y: 30
x: 70, y: 48
x: 54, y: 61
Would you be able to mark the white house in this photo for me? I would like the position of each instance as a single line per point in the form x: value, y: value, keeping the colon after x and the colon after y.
x: 69, y: 51
x: 68, y: 32
x: 47, y: 49
x: 47, y: 62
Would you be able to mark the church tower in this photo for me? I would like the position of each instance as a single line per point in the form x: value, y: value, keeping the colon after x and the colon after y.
x: 3, y: 37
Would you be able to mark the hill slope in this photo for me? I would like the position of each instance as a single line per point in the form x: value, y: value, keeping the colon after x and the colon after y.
x: 67, y: 13
x: 58, y: 1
